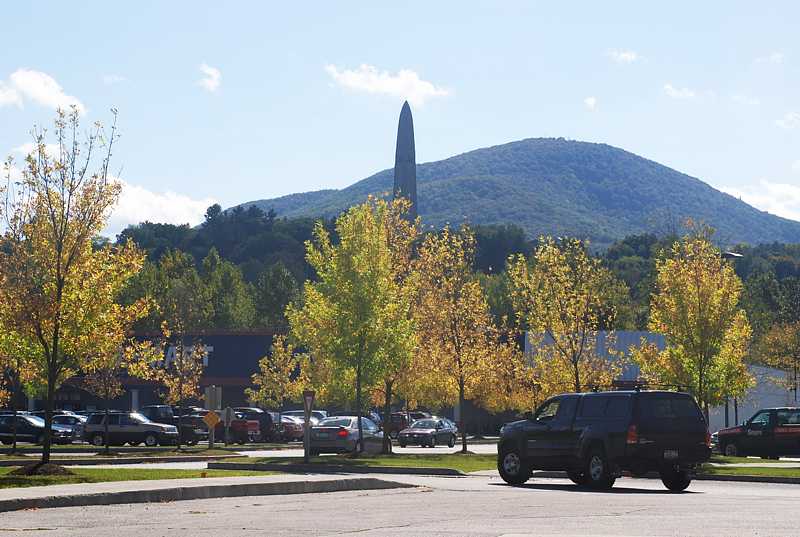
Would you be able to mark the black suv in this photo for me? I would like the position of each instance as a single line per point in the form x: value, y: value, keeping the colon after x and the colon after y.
x: 596, y: 436
x: 771, y: 432
x: 191, y: 427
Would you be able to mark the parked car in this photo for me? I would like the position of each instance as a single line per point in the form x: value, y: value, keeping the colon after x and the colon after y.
x: 596, y: 436
x: 771, y: 433
x: 31, y: 429
x: 128, y: 427
x: 428, y: 432
x: 315, y: 417
x: 340, y: 435
x: 192, y: 430
x: 73, y: 421
x: 292, y: 428
x: 404, y: 420
x: 269, y: 429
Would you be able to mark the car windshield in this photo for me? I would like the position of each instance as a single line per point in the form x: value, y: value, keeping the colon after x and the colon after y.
x: 35, y: 420
x: 335, y: 422
x: 424, y: 424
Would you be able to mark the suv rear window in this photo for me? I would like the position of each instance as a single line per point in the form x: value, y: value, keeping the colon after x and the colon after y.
x: 661, y: 407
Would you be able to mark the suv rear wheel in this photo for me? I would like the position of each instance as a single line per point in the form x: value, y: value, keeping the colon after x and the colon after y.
x: 578, y: 477
x: 150, y: 440
x: 512, y: 467
x: 598, y: 470
x: 675, y: 479
x: 98, y: 440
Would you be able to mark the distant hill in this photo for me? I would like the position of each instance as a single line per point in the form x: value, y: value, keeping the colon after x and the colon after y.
x: 558, y: 187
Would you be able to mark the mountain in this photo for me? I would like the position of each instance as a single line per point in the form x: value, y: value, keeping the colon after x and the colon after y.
x: 558, y: 187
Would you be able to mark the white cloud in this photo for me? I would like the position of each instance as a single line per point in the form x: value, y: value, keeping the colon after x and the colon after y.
x: 110, y: 80
x: 212, y: 77
x: 772, y: 57
x: 745, y: 99
x: 678, y: 93
x: 781, y: 199
x: 405, y: 83
x: 624, y: 56
x: 796, y: 166
x: 39, y: 87
x: 26, y: 149
x: 590, y: 103
x: 137, y: 204
x: 789, y: 121
x: 9, y: 95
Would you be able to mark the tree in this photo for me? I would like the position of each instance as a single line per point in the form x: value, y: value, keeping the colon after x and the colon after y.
x: 696, y: 307
x: 275, y: 382
x: 275, y: 288
x: 178, y: 370
x: 780, y: 348
x: 455, y: 332
x: 231, y: 296
x: 565, y: 297
x: 349, y: 316
x: 57, y: 292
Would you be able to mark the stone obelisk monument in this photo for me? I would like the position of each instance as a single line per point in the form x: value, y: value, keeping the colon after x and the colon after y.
x: 405, y: 161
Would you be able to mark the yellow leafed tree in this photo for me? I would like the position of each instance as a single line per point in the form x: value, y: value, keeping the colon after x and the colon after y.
x: 696, y: 308
x: 565, y: 297
x: 276, y: 380
x: 57, y: 291
x: 780, y: 348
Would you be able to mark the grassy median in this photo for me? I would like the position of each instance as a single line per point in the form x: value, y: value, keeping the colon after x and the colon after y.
x: 751, y: 471
x: 464, y: 463
x: 99, y: 475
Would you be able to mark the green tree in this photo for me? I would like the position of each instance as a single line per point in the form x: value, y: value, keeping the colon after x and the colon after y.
x: 231, y: 296
x: 275, y: 289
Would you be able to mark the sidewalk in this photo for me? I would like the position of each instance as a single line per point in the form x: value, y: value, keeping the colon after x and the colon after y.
x: 81, y: 494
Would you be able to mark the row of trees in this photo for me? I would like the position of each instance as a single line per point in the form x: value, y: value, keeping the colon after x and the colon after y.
x: 397, y: 313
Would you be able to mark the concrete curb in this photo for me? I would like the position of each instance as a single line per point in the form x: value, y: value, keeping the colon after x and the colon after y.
x: 174, y: 494
x: 701, y: 477
x: 119, y: 460
x: 334, y: 469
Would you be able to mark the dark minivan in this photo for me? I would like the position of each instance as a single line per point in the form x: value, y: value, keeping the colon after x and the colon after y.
x: 594, y: 437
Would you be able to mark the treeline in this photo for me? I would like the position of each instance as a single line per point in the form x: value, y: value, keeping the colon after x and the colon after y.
x: 240, y: 268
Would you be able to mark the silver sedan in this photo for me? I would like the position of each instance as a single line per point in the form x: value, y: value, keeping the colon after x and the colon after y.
x: 339, y: 434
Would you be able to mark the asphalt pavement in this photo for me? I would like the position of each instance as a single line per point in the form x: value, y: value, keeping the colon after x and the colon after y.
x: 479, y: 506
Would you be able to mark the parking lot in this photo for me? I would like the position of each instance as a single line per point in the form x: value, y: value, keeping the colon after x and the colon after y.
x: 479, y: 506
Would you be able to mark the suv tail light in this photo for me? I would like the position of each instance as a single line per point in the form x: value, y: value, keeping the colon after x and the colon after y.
x: 342, y: 433
x: 633, y: 435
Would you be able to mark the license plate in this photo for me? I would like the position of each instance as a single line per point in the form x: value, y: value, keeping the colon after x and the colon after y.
x: 322, y: 435
x: 670, y: 453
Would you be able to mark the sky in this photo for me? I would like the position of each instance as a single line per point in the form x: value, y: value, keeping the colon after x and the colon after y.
x: 230, y: 102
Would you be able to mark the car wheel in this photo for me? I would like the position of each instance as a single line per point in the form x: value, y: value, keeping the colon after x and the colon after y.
x: 7, y: 442
x: 598, y: 470
x: 512, y: 467
x: 731, y: 450
x: 452, y: 441
x: 403, y: 444
x: 578, y: 477
x: 393, y: 434
x: 191, y: 442
x: 674, y: 479
x: 150, y: 440
x: 98, y: 440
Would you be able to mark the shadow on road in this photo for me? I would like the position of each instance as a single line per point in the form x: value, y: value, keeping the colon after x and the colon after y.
x: 575, y: 488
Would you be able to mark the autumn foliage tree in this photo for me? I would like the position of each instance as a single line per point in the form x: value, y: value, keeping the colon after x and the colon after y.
x: 565, y: 297
x: 780, y: 348
x: 696, y: 308
x: 57, y: 292
x: 275, y: 382
x: 456, y: 337
x: 352, y: 317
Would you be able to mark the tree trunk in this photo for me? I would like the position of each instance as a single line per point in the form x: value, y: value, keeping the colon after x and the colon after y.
x: 387, y: 418
x: 577, y: 377
x: 48, y: 417
x: 461, y: 415
x: 360, y: 444
x: 13, y: 416
x: 106, y: 437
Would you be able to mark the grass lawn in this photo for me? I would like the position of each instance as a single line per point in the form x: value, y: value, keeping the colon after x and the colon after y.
x: 465, y: 463
x: 143, y: 454
x: 721, y: 459
x: 742, y: 471
x: 97, y: 475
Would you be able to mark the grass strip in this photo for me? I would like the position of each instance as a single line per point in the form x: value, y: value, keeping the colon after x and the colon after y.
x: 99, y: 475
x: 751, y: 471
x: 464, y: 463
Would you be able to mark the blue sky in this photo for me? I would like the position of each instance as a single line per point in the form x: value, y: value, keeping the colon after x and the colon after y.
x: 231, y: 102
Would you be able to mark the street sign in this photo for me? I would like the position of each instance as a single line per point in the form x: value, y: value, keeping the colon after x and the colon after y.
x: 228, y: 416
x: 308, y: 401
x: 211, y: 419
